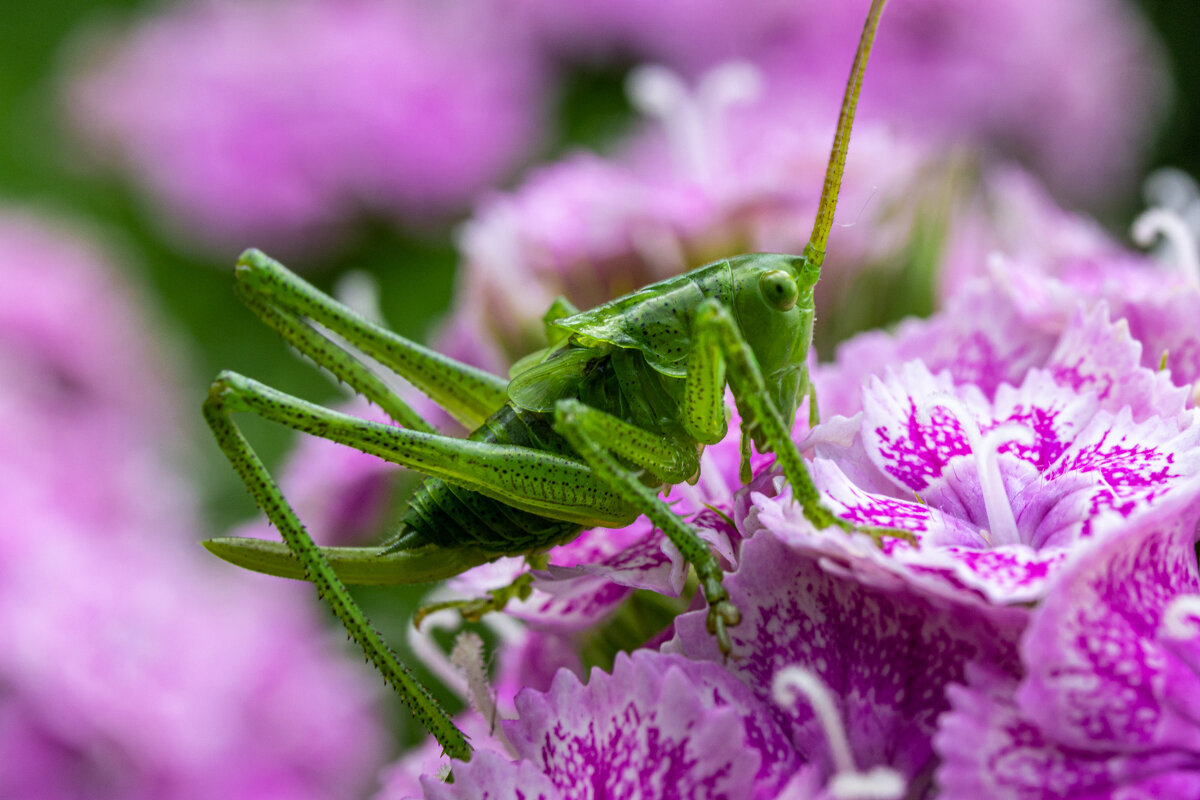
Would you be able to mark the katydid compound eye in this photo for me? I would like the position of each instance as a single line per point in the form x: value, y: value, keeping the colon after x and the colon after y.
x: 779, y: 289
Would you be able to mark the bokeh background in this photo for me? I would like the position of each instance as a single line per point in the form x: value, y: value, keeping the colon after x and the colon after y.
x: 396, y: 154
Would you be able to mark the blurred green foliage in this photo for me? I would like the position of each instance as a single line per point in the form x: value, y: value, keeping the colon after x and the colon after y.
x: 1178, y: 25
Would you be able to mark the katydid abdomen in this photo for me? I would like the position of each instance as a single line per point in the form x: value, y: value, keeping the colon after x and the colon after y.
x: 617, y: 381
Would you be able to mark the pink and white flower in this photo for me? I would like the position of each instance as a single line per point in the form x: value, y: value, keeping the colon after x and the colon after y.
x: 999, y: 489
x: 1105, y: 703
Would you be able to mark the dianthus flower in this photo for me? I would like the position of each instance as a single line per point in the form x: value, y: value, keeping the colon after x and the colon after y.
x: 886, y: 653
x: 657, y: 726
x: 1017, y: 271
x: 1105, y: 703
x: 998, y: 490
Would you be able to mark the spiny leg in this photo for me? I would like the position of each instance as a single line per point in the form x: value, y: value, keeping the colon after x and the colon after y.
x: 532, y: 480
x: 591, y: 433
x: 342, y: 364
x: 217, y: 412
x: 470, y: 395
x: 716, y: 338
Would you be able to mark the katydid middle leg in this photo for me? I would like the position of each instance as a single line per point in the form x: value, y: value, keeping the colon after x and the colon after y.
x: 596, y: 436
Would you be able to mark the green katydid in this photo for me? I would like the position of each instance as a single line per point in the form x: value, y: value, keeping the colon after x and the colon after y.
x: 585, y: 434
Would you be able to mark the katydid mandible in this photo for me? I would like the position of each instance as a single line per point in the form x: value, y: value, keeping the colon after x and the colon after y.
x: 585, y: 434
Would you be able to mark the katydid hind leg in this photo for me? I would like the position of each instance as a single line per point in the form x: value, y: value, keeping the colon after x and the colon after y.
x: 531, y: 480
x: 217, y: 412
x: 469, y: 394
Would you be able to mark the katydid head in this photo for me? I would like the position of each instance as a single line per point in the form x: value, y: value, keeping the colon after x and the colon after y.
x: 773, y: 304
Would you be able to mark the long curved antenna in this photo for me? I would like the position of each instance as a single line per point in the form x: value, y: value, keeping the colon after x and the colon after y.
x: 814, y: 251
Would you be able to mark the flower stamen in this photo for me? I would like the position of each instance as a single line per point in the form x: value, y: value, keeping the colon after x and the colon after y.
x: 692, y: 120
x: 1002, y: 523
x: 1173, y: 189
x: 879, y: 783
x: 1171, y: 226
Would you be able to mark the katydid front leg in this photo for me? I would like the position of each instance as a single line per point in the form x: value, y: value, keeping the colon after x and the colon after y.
x: 720, y: 354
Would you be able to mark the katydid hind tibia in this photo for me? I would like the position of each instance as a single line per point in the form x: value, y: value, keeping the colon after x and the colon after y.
x: 585, y: 434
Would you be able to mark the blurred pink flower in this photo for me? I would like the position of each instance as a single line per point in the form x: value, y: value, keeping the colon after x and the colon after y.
x: 75, y: 328
x: 88, y: 404
x: 275, y: 122
x: 1035, y: 80
x: 131, y: 667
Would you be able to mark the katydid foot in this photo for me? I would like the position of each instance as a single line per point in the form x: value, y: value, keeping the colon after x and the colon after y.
x: 473, y: 610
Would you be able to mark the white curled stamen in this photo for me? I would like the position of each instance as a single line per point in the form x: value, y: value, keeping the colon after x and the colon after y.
x: 693, y: 120
x: 1181, y: 619
x: 879, y: 783
x: 1002, y: 523
x: 1171, y: 226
